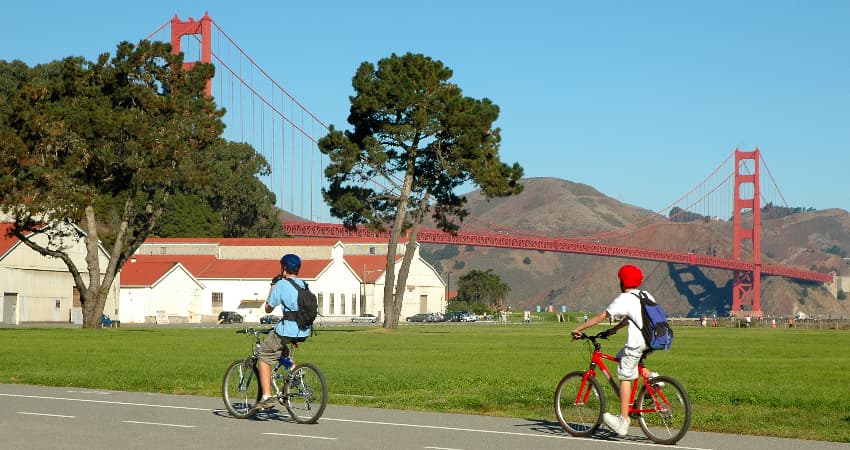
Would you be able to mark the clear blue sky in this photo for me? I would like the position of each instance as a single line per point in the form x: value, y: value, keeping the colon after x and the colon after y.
x: 640, y: 100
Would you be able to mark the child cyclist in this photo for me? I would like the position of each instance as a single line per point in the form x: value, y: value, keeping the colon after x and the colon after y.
x: 626, y: 305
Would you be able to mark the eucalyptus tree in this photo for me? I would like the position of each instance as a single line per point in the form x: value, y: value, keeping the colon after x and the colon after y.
x: 130, y: 127
x: 415, y: 139
x: 484, y: 288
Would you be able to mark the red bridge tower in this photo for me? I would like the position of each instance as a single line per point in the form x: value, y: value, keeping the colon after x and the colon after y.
x: 746, y: 285
x: 203, y: 28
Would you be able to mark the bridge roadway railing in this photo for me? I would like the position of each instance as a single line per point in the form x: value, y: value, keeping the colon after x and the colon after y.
x: 433, y: 236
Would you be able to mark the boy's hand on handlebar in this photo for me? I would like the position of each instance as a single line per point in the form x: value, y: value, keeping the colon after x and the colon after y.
x: 576, y: 334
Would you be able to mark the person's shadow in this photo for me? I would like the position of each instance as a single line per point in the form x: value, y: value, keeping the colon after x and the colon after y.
x: 553, y: 428
x: 260, y: 416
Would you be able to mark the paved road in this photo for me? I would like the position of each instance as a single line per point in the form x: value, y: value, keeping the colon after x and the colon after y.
x: 36, y: 417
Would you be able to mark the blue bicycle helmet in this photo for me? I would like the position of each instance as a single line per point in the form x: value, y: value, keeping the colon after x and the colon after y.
x: 291, y: 263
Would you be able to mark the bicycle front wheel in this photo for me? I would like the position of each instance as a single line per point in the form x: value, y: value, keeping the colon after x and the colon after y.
x: 306, y: 393
x: 241, y: 388
x: 670, y: 417
x: 579, y: 404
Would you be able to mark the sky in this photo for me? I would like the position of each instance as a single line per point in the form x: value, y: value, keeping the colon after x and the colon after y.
x: 641, y: 100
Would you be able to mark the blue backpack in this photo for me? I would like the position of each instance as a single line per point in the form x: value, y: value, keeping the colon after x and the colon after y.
x: 656, y: 330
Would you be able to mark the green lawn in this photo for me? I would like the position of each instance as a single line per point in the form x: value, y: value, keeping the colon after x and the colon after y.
x: 776, y: 382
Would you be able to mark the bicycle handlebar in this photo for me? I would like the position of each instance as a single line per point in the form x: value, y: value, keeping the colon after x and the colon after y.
x: 253, y: 331
x: 593, y: 338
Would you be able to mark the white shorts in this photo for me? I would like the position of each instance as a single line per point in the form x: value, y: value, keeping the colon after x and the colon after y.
x: 629, y: 359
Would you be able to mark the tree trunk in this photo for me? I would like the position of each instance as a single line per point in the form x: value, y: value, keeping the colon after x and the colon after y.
x: 393, y: 297
x: 410, y: 250
x: 91, y: 297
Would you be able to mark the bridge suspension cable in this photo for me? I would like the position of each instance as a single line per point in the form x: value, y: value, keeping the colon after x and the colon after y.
x: 268, y: 117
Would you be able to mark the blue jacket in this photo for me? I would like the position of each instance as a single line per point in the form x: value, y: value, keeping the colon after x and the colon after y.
x: 284, y: 294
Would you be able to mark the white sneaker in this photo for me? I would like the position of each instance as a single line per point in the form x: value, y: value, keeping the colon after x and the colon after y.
x: 616, y: 423
x: 653, y: 375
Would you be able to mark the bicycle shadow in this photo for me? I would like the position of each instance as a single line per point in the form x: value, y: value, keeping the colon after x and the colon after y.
x: 553, y: 428
x: 260, y: 416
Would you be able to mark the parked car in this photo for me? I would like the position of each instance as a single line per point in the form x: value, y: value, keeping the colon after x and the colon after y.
x: 229, y: 317
x: 364, y: 318
x: 437, y: 317
x: 421, y: 317
x: 468, y: 317
x: 269, y: 318
x: 453, y: 316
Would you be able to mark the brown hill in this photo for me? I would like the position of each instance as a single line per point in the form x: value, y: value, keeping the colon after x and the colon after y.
x: 552, y: 207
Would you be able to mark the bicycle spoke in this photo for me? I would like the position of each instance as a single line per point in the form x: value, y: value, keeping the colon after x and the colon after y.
x: 306, y: 393
x: 240, y: 388
x: 667, y: 410
x: 579, y: 404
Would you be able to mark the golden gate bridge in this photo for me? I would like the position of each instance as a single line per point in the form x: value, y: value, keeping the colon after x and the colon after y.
x: 263, y: 114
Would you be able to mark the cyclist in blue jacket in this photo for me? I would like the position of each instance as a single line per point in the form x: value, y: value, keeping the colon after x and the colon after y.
x: 286, y: 331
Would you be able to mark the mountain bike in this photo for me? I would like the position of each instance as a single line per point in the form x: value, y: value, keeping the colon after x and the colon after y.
x: 660, y: 403
x: 301, y: 388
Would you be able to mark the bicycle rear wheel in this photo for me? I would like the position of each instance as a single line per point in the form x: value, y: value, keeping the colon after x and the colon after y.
x: 306, y: 393
x: 579, y: 404
x: 241, y: 388
x: 672, y: 416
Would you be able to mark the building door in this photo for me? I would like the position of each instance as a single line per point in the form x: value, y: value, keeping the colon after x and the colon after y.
x: 10, y: 308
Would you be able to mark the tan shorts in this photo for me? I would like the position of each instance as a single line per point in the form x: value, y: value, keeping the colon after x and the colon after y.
x: 274, y: 346
x: 629, y: 359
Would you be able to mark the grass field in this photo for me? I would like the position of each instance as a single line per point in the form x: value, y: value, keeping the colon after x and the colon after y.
x: 773, y: 382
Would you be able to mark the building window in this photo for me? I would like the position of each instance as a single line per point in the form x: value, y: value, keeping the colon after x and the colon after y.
x: 217, y: 300
x: 423, y: 303
x: 372, y: 250
x: 331, y: 303
x: 320, y: 300
x: 354, y: 304
x: 342, y: 303
x: 362, y: 303
x: 58, y: 303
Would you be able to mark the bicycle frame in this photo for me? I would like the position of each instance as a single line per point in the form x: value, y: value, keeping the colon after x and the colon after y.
x: 255, y: 357
x: 658, y: 402
x: 598, y: 359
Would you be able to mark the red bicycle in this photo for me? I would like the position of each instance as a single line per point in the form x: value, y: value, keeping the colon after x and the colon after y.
x: 660, y: 404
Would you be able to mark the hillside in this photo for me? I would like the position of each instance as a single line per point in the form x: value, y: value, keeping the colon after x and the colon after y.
x: 552, y: 207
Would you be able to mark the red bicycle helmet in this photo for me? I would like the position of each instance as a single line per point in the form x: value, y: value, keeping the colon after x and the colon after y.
x: 630, y: 276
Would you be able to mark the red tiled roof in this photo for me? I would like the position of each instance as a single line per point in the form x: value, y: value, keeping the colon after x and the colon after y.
x: 259, y: 268
x: 6, y: 242
x: 265, y: 242
x: 203, y: 240
x: 144, y: 273
x: 368, y: 267
x: 195, y: 264
x: 205, y: 267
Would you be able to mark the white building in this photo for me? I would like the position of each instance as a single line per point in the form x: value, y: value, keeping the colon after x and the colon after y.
x: 37, y: 288
x: 218, y: 274
x: 153, y: 291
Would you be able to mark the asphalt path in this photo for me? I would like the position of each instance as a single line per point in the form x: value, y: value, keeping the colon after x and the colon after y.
x: 37, y: 417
